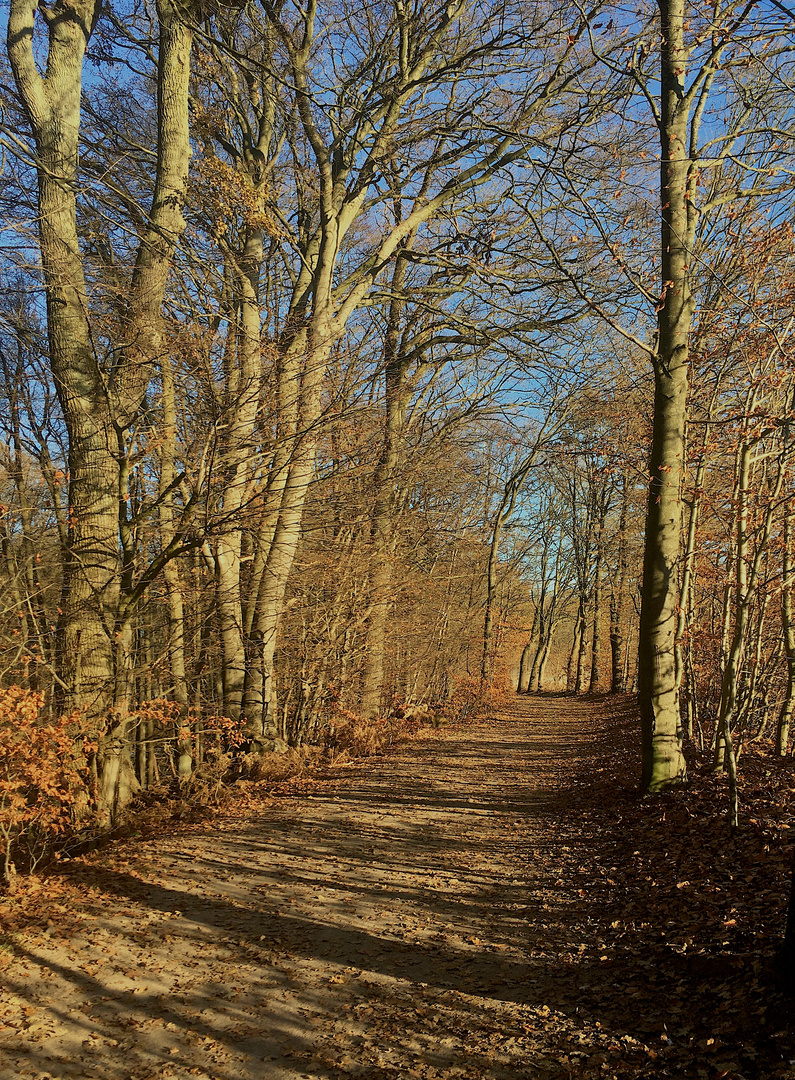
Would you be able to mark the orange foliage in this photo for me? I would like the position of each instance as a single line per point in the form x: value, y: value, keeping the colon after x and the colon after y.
x: 191, y: 724
x: 44, y: 774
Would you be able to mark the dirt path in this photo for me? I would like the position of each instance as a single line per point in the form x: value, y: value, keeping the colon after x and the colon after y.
x: 422, y: 915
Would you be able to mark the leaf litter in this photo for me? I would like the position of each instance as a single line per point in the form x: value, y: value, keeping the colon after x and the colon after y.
x: 491, y: 904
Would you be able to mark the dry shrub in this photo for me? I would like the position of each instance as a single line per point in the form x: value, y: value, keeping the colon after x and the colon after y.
x: 44, y: 779
x: 471, y: 697
x: 271, y: 769
x: 196, y: 745
x: 348, y: 735
x: 353, y: 737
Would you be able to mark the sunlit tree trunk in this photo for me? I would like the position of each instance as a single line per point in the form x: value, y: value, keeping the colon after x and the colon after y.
x: 98, y: 404
x: 748, y: 563
x: 618, y: 599
x: 243, y: 377
x: 788, y: 628
x: 582, y: 651
x: 301, y: 433
x: 384, y: 503
x: 525, y: 663
x: 571, y: 667
x: 52, y: 105
x: 663, y: 760
x: 596, y: 625
x: 542, y: 666
x: 538, y: 657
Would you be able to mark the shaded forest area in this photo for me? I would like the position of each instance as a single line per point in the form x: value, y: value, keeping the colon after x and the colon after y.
x: 361, y: 361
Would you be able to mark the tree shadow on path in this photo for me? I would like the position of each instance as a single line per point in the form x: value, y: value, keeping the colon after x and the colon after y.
x: 456, y: 908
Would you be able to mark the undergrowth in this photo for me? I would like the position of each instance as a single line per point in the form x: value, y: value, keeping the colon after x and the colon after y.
x: 47, y: 787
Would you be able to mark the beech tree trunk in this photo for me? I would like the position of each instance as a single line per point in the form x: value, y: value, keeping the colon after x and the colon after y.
x: 618, y: 599
x: 748, y: 564
x: 542, y: 667
x: 582, y: 651
x: 243, y: 377
x: 663, y: 760
x: 788, y: 628
x: 538, y: 655
x: 98, y: 402
x: 384, y: 522
x: 596, y: 626
x: 571, y: 667
x: 90, y: 589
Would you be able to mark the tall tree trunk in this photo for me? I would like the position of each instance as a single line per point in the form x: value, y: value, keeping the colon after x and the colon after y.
x: 384, y: 504
x: 262, y: 725
x: 98, y: 404
x: 663, y: 760
x: 491, y: 586
x: 175, y: 606
x: 523, y: 683
x: 618, y: 599
x: 542, y: 667
x: 243, y: 376
x: 262, y: 605
x: 596, y: 642
x: 90, y: 583
x: 571, y: 667
x: 582, y: 652
x: 747, y: 568
x: 538, y: 655
x: 788, y: 628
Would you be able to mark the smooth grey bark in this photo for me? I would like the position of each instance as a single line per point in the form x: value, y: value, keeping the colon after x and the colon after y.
x: 538, y: 657
x: 618, y: 597
x: 175, y: 605
x: 748, y: 564
x: 583, y: 651
x: 596, y: 625
x: 575, y: 649
x: 383, y: 525
x: 663, y: 762
x: 505, y: 507
x: 788, y: 629
x: 542, y: 667
x: 98, y: 404
x: 243, y: 376
x: 523, y: 681
x: 90, y: 593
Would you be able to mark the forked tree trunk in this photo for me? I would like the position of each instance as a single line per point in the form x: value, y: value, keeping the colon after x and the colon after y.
x: 532, y: 678
x: 98, y: 405
x: 88, y: 608
x: 542, y: 667
x: 243, y: 377
x: 523, y: 682
x: 582, y: 652
x: 571, y: 666
x: 262, y: 723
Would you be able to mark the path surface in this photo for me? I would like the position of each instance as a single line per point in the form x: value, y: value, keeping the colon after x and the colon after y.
x: 418, y: 916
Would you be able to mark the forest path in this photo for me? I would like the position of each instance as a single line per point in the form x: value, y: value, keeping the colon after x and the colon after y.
x: 434, y: 913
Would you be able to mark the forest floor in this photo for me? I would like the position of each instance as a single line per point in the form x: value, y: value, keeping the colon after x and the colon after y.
x: 491, y: 904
